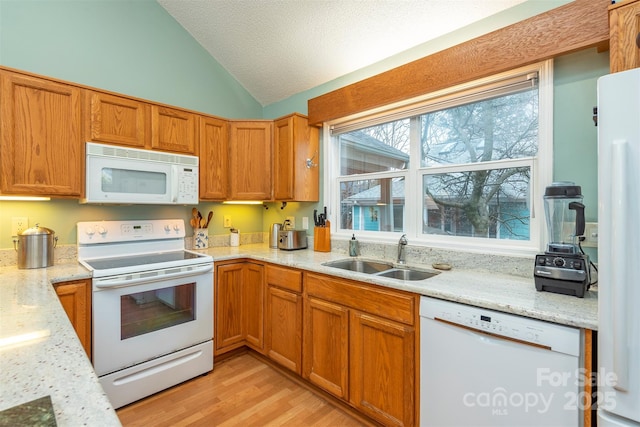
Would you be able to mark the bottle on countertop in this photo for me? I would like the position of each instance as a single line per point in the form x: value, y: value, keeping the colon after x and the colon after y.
x: 353, y: 246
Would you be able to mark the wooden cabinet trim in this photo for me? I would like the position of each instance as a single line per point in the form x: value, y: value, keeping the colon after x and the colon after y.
x: 565, y: 29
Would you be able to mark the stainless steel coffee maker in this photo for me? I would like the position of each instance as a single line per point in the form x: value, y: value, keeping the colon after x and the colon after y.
x: 564, y: 267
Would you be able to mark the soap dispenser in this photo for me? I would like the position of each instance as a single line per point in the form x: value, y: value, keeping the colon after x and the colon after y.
x: 353, y: 246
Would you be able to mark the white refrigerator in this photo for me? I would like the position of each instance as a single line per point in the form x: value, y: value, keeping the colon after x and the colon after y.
x: 619, y: 249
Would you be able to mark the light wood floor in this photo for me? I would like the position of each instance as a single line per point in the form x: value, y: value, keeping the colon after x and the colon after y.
x: 241, y: 391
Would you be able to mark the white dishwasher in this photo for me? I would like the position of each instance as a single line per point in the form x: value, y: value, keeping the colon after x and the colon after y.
x: 480, y: 367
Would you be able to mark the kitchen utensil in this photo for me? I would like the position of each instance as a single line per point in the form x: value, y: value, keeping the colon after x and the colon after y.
x: 35, y: 247
x: 206, y: 225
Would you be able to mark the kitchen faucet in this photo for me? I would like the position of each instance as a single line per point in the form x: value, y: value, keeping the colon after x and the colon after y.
x: 402, y: 245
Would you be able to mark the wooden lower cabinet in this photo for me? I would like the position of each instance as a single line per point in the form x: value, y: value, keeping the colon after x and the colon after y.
x: 238, y: 304
x: 253, y: 305
x: 382, y: 369
x: 283, y: 320
x: 75, y: 297
x: 360, y: 345
x: 357, y: 342
x: 326, y: 346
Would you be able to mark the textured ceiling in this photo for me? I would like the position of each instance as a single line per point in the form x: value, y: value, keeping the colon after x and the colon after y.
x: 276, y: 48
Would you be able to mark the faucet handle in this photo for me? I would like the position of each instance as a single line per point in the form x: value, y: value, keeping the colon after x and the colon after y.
x: 403, y: 240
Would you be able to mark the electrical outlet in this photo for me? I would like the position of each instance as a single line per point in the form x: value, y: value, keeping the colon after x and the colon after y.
x: 19, y: 224
x: 226, y: 221
x: 292, y: 221
x: 305, y: 222
x: 591, y: 235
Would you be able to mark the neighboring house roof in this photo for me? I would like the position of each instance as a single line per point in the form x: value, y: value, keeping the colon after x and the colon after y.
x: 360, y: 141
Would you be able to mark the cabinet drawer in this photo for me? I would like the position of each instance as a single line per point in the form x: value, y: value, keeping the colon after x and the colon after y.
x: 284, y: 278
x: 383, y: 302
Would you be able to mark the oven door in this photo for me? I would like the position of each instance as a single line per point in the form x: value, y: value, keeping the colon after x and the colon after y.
x: 136, y: 320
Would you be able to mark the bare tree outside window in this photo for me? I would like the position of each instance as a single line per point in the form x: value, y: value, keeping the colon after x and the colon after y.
x: 494, y: 202
x: 475, y: 167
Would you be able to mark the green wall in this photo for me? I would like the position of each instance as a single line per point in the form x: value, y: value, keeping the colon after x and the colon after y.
x: 135, y: 47
x: 127, y: 46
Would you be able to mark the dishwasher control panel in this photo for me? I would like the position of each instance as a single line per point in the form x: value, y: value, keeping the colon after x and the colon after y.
x: 545, y: 334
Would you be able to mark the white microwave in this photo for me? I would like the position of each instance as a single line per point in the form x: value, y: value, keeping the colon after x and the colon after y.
x: 121, y: 175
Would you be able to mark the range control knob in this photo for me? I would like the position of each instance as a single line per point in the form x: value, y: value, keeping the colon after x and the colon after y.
x: 90, y: 231
x: 176, y: 227
x: 167, y: 228
x: 558, y: 262
x: 102, y: 231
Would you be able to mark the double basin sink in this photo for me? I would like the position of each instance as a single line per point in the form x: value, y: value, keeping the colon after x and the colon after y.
x: 381, y: 269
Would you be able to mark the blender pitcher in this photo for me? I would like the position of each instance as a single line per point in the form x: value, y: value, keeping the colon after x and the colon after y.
x: 564, y: 213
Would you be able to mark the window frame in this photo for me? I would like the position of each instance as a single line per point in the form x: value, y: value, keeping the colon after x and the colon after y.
x: 541, y: 171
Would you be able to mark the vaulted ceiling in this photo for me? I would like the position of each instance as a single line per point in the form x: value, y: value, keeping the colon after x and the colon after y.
x: 277, y: 48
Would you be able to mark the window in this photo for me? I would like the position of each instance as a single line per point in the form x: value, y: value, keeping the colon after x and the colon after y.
x: 461, y: 168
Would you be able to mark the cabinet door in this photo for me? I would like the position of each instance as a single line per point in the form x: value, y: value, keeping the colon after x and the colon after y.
x: 253, y: 305
x: 382, y: 369
x: 293, y: 143
x: 228, y: 326
x: 250, y: 161
x: 173, y: 130
x: 284, y: 328
x: 116, y: 120
x: 214, y: 159
x: 325, y: 354
x: 75, y: 298
x: 41, y: 138
x: 624, y: 50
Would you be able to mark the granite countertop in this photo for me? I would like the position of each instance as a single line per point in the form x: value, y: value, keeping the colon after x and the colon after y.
x: 475, y: 286
x: 40, y: 353
x: 50, y: 361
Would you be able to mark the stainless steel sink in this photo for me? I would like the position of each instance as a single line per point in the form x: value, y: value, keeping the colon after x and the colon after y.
x: 361, y: 266
x: 381, y: 268
x: 407, y: 274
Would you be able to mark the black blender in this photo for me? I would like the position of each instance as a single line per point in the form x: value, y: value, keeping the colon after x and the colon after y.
x: 564, y: 267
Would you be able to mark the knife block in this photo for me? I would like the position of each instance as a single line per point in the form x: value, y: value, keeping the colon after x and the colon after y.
x: 322, y: 238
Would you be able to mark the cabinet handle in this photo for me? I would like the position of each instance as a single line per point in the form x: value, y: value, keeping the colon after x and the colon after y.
x: 638, y: 40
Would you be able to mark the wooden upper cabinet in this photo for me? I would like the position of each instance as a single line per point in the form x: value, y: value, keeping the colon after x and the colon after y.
x: 250, y: 160
x: 41, y: 137
x: 295, y: 142
x: 214, y: 158
x: 116, y: 120
x: 173, y: 130
x: 624, y: 37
